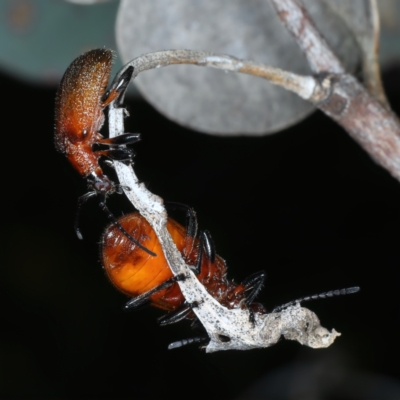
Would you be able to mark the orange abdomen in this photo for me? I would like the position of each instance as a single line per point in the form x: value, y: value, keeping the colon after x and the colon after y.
x: 132, y: 270
x: 135, y: 272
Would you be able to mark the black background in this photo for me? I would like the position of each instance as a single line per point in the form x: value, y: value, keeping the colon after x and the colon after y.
x: 307, y: 205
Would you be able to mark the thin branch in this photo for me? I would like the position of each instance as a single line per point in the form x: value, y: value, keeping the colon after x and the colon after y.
x: 340, y: 96
x: 375, y: 127
x: 371, y: 67
x: 306, y: 87
x: 317, y: 51
x: 320, y: 56
x: 367, y: 119
x: 293, y: 323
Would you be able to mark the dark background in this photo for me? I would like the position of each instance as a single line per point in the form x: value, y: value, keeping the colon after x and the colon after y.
x: 307, y: 205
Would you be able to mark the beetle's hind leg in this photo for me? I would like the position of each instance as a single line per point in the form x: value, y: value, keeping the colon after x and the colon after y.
x: 253, y: 284
x: 124, y: 154
x: 144, y: 298
x: 116, y: 147
x: 114, y: 220
x: 191, y: 219
x: 126, y: 138
x: 179, y: 314
x: 175, y: 316
x: 191, y: 225
x: 118, y: 89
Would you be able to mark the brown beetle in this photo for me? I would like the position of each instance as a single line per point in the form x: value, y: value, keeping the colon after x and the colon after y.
x: 80, y: 103
x: 150, y: 280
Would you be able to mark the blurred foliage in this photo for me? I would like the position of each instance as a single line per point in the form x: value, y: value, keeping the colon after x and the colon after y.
x: 39, y: 38
x: 390, y: 32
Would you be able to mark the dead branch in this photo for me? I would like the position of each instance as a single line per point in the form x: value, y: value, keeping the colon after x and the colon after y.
x: 306, y: 87
x: 368, y: 121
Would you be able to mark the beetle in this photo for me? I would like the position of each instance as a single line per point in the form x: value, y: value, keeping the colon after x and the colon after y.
x: 79, y: 116
x: 150, y: 281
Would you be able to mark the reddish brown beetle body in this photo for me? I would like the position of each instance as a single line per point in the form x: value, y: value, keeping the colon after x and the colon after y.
x: 150, y: 280
x: 80, y: 103
x: 137, y: 274
x: 79, y: 110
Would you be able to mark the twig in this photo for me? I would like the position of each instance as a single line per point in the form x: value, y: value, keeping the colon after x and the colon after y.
x: 293, y: 323
x: 306, y: 87
x: 296, y: 20
x: 339, y: 95
x: 368, y: 121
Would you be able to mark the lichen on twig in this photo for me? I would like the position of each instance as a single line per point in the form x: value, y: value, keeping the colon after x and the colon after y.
x: 364, y: 114
x: 293, y: 323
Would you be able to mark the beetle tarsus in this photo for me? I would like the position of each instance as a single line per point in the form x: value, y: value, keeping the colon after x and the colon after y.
x: 114, y: 220
x: 145, y: 297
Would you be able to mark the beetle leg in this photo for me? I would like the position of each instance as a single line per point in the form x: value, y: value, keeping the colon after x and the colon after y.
x: 191, y: 219
x: 178, y: 315
x: 191, y: 230
x: 117, y: 90
x: 112, y: 218
x: 145, y: 297
x: 206, y: 244
x: 126, y: 138
x: 191, y: 225
x: 253, y: 283
x: 197, y: 268
x: 209, y: 246
x: 195, y: 304
x: 109, y: 163
x: 119, y: 154
x: 117, y: 147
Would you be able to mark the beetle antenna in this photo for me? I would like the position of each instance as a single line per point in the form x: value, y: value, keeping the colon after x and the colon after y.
x: 331, y: 293
x: 114, y: 220
x: 185, y: 342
